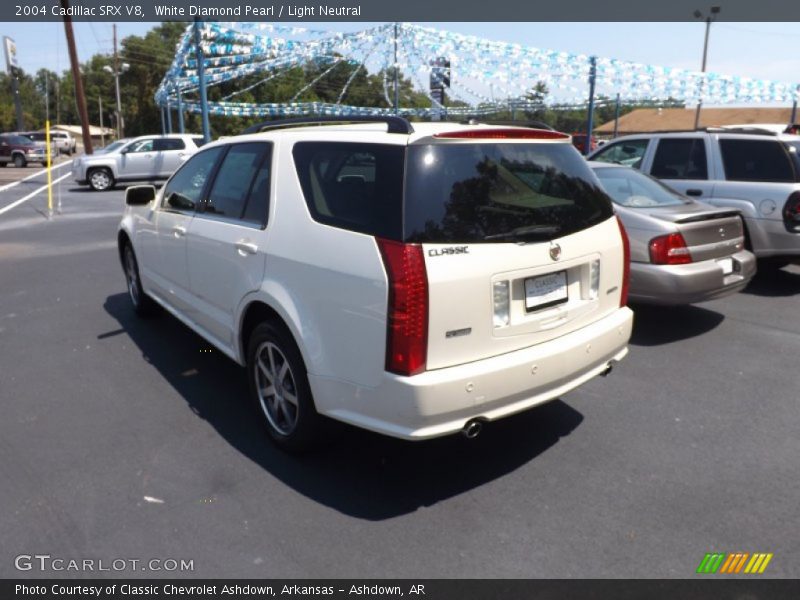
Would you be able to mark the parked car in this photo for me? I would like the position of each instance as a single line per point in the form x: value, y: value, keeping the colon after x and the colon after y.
x: 145, y: 158
x: 579, y: 141
x: 64, y: 142
x: 682, y: 251
x: 757, y: 173
x: 416, y: 280
x: 19, y: 151
x: 40, y: 141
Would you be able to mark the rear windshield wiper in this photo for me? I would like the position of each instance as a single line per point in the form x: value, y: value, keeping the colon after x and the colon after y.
x: 530, y: 233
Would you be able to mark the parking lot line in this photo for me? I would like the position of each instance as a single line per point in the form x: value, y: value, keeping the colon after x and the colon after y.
x: 43, y: 171
x: 31, y: 195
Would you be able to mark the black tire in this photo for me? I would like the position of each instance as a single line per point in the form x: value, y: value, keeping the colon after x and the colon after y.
x: 20, y: 161
x: 274, y: 364
x: 100, y: 179
x: 143, y: 305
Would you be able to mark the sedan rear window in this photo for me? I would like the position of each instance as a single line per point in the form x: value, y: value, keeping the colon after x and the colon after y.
x: 634, y: 189
x: 472, y: 193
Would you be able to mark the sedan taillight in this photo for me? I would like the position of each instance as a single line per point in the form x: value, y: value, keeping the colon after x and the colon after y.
x: 670, y: 249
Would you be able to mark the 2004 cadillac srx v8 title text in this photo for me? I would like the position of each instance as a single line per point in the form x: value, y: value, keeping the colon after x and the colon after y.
x: 413, y: 280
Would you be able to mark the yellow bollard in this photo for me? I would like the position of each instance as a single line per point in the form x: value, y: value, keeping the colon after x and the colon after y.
x: 49, y: 175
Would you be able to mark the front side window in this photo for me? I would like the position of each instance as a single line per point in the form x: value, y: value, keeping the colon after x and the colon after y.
x: 234, y: 181
x: 756, y: 160
x: 628, y: 153
x: 472, y: 193
x: 680, y: 158
x: 185, y: 189
x: 141, y: 146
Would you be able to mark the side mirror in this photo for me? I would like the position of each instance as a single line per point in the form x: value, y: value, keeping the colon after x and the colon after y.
x: 140, y: 195
x: 124, y: 151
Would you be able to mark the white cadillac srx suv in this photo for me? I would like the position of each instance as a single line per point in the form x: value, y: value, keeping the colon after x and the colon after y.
x: 413, y: 280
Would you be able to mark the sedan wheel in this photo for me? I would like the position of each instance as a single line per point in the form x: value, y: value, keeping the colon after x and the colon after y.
x: 100, y: 180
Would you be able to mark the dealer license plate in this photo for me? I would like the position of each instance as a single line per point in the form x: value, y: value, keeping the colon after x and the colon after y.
x: 545, y: 290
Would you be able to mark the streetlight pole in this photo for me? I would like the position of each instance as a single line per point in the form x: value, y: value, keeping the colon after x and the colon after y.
x: 709, y: 18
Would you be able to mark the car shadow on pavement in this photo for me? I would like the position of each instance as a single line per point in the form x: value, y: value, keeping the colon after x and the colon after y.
x: 775, y: 282
x: 356, y: 472
x: 657, y: 325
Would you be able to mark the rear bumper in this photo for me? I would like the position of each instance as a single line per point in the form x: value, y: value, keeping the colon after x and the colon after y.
x: 770, y: 238
x: 687, y: 284
x: 440, y: 402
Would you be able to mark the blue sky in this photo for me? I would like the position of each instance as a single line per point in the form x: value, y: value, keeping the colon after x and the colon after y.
x: 759, y: 50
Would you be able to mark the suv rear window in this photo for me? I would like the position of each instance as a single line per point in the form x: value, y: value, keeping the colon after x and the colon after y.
x: 453, y: 193
x: 468, y: 193
x: 756, y: 160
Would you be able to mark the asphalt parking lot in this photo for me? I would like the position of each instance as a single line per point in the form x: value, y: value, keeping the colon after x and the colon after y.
x: 128, y: 438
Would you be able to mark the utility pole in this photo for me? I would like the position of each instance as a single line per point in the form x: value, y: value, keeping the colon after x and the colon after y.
x: 714, y: 11
x: 102, y: 131
x: 396, y: 75
x: 80, y: 98
x: 120, y: 123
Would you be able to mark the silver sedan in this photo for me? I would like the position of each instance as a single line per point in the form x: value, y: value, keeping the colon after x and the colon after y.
x: 682, y: 251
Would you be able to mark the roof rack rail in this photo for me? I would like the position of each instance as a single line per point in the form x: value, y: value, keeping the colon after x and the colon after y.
x: 754, y: 130
x: 395, y: 124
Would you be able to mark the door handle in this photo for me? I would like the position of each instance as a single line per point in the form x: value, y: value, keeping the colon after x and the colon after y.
x: 243, y: 247
x: 179, y: 231
x: 694, y: 192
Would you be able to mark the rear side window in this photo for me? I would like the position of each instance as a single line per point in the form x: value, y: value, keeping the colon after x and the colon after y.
x: 234, y: 180
x: 353, y: 186
x: 680, y: 158
x: 756, y: 160
x: 199, y: 141
x: 468, y: 193
x: 168, y: 144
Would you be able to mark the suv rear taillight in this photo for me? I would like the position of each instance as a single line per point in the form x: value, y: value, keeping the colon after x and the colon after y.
x: 626, y: 266
x: 791, y: 213
x: 407, y: 313
x: 670, y: 249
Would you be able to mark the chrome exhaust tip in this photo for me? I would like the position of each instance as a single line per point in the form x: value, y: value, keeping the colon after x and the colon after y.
x: 609, y: 368
x: 472, y: 429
